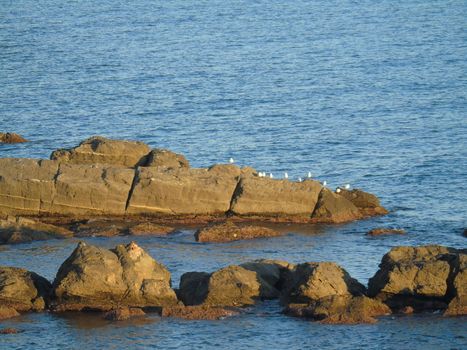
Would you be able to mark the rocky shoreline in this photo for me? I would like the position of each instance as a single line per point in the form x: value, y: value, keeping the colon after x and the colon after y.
x: 126, y: 282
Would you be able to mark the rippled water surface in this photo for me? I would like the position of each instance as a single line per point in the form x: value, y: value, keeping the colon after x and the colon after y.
x: 371, y: 93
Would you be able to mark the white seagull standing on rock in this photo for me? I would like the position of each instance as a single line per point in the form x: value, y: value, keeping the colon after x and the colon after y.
x: 231, y: 161
x: 325, y: 183
x: 309, y: 174
x: 338, y: 190
x: 271, y: 176
x: 299, y: 179
x: 286, y: 175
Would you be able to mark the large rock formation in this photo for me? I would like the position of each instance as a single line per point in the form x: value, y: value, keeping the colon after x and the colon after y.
x: 267, y: 197
x: 27, y: 186
x: 23, y: 290
x: 367, y: 203
x: 11, y: 137
x: 181, y: 191
x: 101, y: 150
x: 101, y: 279
x: 231, y: 286
x: 19, y: 230
x: 228, y: 232
x: 334, y: 208
x: 426, y: 277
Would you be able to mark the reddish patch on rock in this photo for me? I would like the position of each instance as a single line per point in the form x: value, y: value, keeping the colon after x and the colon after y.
x: 197, y: 312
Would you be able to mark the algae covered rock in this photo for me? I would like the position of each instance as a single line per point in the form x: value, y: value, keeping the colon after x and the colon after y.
x: 228, y: 231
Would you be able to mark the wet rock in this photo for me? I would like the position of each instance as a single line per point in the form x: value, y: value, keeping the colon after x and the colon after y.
x: 458, y: 287
x: 230, y: 286
x: 123, y: 313
x: 101, y: 279
x: 273, y: 273
x: 340, y: 309
x: 101, y: 150
x: 91, y: 190
x: 385, y: 231
x: 465, y: 232
x: 27, y: 186
x: 424, y: 278
x: 315, y: 280
x: 367, y: 203
x: 148, y: 228
x: 99, y: 228
x: 7, y: 312
x: 23, y: 290
x: 181, y: 191
x: 198, y: 312
x: 334, y: 208
x: 164, y: 158
x: 267, y: 197
x: 20, y: 230
x: 228, y: 231
x: 11, y: 137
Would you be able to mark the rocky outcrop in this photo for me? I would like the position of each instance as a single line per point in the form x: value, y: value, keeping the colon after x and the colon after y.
x: 11, y: 137
x: 334, y: 208
x: 267, y: 197
x: 101, y: 279
x: 340, y: 309
x: 22, y: 290
x: 423, y: 278
x: 368, y: 204
x: 147, y: 228
x: 228, y: 232
x: 100, y: 150
x: 181, y: 191
x: 123, y: 313
x: 164, y: 158
x: 7, y: 312
x: 231, y: 286
x: 198, y: 312
x: 385, y: 231
x: 20, y: 230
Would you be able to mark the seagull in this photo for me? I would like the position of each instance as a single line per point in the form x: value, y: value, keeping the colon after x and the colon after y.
x: 231, y: 161
x: 309, y: 174
x: 271, y: 176
x: 286, y: 175
x: 299, y: 179
x: 347, y: 186
x: 324, y: 183
x: 338, y: 190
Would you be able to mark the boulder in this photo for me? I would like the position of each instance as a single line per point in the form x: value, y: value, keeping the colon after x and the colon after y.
x: 273, y: 273
x: 385, y: 231
x: 20, y: 230
x: 91, y: 190
x: 23, y: 290
x: 197, y: 312
x: 27, y: 186
x: 458, y: 286
x: 101, y: 279
x: 11, y: 137
x: 123, y: 313
x: 100, y: 228
x: 7, y: 312
x: 148, y: 228
x: 367, y: 203
x: 315, y: 280
x: 101, y: 150
x: 228, y: 231
x: 164, y: 158
x: 181, y: 191
x: 267, y: 197
x: 340, y: 309
x: 230, y: 286
x: 420, y: 277
x: 334, y: 208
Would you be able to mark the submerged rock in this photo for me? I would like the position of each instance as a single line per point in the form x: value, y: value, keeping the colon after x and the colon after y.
x: 123, y: 313
x: 228, y: 231
x: 198, y: 312
x: 164, y: 158
x: 11, y: 137
x: 9, y: 331
x: 424, y: 278
x: 98, y: 149
x: 101, y: 279
x: 7, y: 312
x: 267, y: 197
x: 20, y: 230
x: 334, y: 208
x: 340, y: 309
x: 148, y: 228
x: 385, y: 231
x: 23, y: 290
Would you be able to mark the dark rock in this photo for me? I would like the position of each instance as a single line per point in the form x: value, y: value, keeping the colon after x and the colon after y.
x: 123, y: 313
x: 11, y: 137
x: 367, y: 203
x: 385, y: 231
x: 228, y: 231
x: 9, y: 331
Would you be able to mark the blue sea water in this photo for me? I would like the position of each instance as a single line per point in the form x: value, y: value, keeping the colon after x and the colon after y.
x: 371, y: 93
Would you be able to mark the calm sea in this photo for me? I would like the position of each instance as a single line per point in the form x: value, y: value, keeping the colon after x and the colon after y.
x: 371, y: 93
